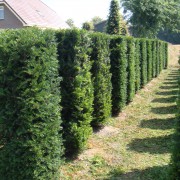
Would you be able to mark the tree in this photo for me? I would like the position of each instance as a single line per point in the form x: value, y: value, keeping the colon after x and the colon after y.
x: 88, y: 26
x: 70, y: 22
x: 95, y: 20
x: 113, y: 22
x: 147, y: 17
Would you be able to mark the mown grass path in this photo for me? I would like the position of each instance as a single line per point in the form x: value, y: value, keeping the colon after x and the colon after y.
x: 137, y: 144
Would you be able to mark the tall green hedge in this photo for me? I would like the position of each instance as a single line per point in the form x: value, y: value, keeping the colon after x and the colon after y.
x: 149, y: 60
x: 166, y: 56
x: 175, y: 174
x: 160, y: 56
x: 76, y: 87
x: 154, y: 59
x: 143, y: 62
x: 157, y: 57
x: 118, y: 58
x: 130, y: 69
x: 137, y: 65
x: 30, y: 144
x: 101, y: 75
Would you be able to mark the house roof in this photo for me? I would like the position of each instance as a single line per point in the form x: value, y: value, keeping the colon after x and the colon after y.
x: 35, y: 13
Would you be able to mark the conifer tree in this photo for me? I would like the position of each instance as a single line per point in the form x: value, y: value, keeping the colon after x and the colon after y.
x: 113, y: 22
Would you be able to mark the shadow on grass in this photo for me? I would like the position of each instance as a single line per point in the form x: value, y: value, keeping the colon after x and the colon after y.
x: 170, y: 99
x: 170, y: 82
x: 163, y: 124
x: 165, y: 110
x: 169, y: 87
x: 167, y: 93
x: 151, y: 173
x: 153, y: 145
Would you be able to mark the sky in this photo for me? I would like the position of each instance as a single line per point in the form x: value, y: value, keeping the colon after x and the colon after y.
x: 80, y: 10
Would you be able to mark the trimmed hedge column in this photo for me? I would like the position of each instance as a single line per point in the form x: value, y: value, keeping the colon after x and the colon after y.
x: 158, y: 58
x: 130, y: 69
x: 118, y: 58
x: 101, y: 78
x: 137, y: 66
x: 31, y: 145
x: 149, y: 60
x: 77, y: 89
x: 154, y: 59
x: 166, y: 55
x: 143, y: 62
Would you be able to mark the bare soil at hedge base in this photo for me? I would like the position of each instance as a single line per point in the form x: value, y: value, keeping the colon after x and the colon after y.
x: 137, y: 144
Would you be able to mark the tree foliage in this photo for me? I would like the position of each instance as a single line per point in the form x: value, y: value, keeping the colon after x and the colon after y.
x: 95, y: 20
x: 70, y: 22
x: 88, y: 26
x: 147, y: 17
x: 113, y: 22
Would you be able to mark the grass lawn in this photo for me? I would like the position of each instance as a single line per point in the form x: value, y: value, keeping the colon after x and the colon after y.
x: 137, y: 144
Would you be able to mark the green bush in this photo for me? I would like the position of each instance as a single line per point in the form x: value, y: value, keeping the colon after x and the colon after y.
x: 76, y: 87
x: 160, y: 56
x: 143, y: 62
x: 130, y: 69
x: 176, y: 150
x: 30, y: 145
x: 154, y: 59
x: 157, y: 58
x: 137, y: 65
x: 118, y: 58
x: 166, y: 55
x: 149, y: 60
x: 100, y: 56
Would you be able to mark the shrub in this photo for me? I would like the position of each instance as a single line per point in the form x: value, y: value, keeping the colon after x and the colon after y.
x: 157, y: 57
x: 154, y: 59
x: 30, y: 112
x: 143, y: 62
x: 137, y: 65
x: 149, y: 60
x: 76, y: 87
x: 130, y: 69
x: 160, y: 56
x: 118, y: 58
x: 166, y: 55
x: 101, y: 78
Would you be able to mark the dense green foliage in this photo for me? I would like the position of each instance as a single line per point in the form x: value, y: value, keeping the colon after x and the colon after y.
x: 176, y: 151
x: 143, y: 61
x: 149, y: 60
x: 147, y: 17
x: 113, y: 22
x: 76, y: 88
x: 88, y: 26
x: 118, y: 58
x: 130, y: 69
x: 30, y: 143
x: 166, y: 56
x: 101, y: 78
x: 154, y: 58
x: 100, y: 74
x: 137, y: 65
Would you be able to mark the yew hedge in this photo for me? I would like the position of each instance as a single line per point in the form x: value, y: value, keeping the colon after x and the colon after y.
x: 30, y: 138
x: 100, y: 56
x: 74, y: 49
x: 100, y: 75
